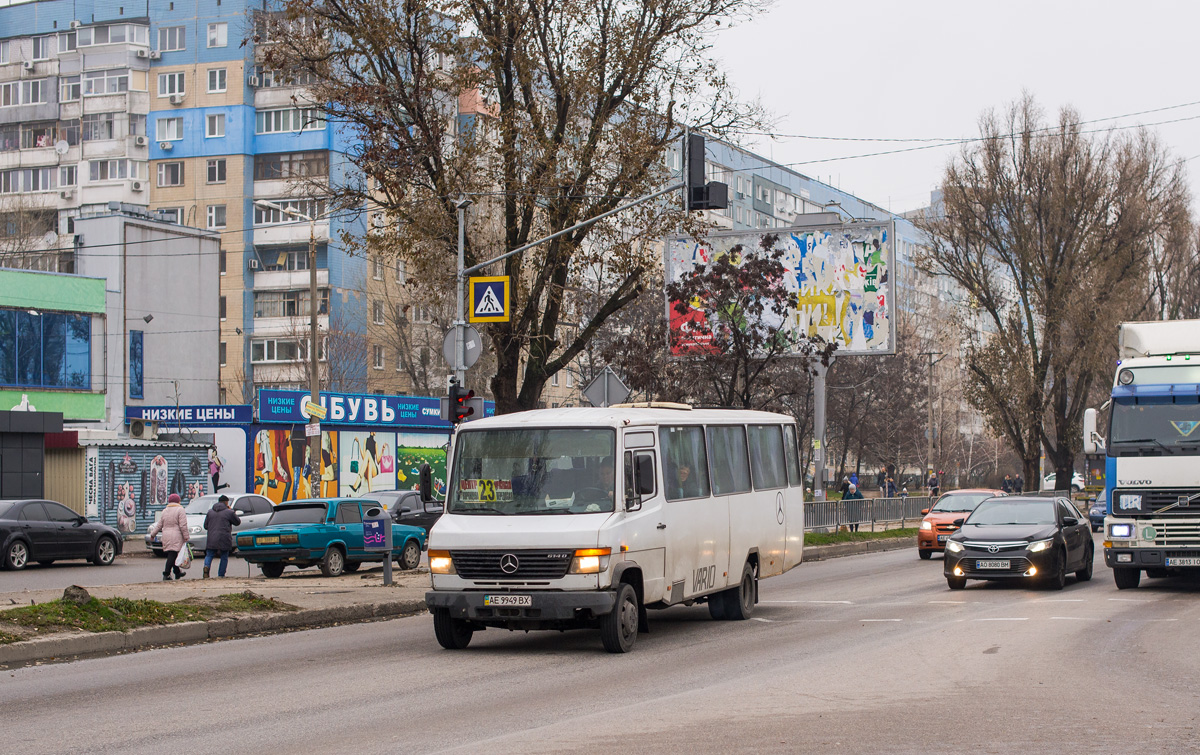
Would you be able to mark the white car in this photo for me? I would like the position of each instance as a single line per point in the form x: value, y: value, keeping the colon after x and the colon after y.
x: 1077, y: 482
x: 253, y: 510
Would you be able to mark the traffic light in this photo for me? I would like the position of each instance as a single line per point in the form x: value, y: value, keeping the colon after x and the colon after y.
x: 712, y: 195
x: 461, y: 406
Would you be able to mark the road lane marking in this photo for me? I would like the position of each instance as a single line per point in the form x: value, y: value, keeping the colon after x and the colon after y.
x: 1024, y: 618
x: 840, y: 602
x: 759, y: 618
x: 1059, y: 600
x: 949, y: 602
x: 1130, y: 600
x: 865, y: 620
x: 1079, y: 618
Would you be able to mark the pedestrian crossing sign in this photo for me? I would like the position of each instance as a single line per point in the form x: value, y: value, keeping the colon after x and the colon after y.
x: 489, y: 299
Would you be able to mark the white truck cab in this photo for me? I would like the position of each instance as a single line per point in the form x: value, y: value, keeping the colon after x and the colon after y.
x: 576, y: 517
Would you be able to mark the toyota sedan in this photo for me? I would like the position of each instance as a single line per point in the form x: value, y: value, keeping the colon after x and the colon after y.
x: 1021, y: 538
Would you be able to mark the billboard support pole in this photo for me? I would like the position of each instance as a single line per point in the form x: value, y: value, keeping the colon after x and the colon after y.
x: 819, y: 372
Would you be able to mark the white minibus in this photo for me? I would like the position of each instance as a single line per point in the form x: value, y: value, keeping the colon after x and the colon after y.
x: 565, y: 518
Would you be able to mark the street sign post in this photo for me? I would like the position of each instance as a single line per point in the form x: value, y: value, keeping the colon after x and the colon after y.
x: 606, y: 389
x: 472, y: 346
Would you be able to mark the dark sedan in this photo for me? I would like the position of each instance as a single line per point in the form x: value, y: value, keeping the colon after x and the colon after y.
x: 46, y: 531
x: 1098, y: 510
x: 406, y: 507
x: 1021, y: 538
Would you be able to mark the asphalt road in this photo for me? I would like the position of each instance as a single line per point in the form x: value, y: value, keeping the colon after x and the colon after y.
x: 867, y: 653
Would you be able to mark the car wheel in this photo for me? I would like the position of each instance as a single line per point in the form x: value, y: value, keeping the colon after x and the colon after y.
x: 739, y: 601
x: 1127, y: 579
x: 410, y: 557
x: 924, y: 554
x: 716, y: 606
x: 106, y: 552
x: 45, y: 561
x: 271, y: 569
x: 451, y: 633
x: 619, y: 627
x: 1057, y: 578
x: 1085, y: 574
x: 334, y: 562
x: 16, y: 557
x: 956, y: 583
x: 352, y: 566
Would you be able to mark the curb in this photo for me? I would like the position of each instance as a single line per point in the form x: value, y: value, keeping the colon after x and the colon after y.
x: 837, y: 550
x: 50, y: 648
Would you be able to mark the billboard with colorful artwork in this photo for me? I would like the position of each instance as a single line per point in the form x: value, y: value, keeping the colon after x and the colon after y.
x: 841, y: 274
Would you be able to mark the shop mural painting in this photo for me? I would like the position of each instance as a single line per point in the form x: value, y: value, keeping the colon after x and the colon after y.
x: 128, y: 485
x: 362, y: 463
x: 281, y: 464
x: 841, y: 276
x: 415, y: 449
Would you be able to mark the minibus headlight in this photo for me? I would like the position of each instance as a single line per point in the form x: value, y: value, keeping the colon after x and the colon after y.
x: 441, y: 563
x: 590, y: 560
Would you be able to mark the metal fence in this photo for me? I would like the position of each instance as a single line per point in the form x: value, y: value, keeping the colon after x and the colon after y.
x: 831, y: 515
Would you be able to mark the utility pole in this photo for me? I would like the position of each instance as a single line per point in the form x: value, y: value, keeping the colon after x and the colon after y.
x: 819, y: 450
x: 929, y: 446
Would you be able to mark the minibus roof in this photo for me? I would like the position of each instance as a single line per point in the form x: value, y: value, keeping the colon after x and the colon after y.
x: 627, y: 417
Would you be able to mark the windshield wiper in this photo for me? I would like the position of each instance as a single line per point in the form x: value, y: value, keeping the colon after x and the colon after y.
x: 475, y: 509
x: 1155, y: 441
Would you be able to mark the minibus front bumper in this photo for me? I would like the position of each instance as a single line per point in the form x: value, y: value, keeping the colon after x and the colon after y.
x: 533, y: 606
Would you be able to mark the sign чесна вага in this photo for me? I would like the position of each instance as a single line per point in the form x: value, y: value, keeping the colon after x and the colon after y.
x: 355, y: 409
x: 184, y: 416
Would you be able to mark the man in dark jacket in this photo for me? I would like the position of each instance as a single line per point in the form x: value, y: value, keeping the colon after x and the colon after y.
x: 219, y: 522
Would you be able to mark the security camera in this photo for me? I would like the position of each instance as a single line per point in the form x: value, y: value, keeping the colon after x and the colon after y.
x: 148, y: 318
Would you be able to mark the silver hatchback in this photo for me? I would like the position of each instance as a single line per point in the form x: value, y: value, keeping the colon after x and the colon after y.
x: 253, y: 510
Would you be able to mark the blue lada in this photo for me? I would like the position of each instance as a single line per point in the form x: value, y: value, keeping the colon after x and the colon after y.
x: 326, y: 532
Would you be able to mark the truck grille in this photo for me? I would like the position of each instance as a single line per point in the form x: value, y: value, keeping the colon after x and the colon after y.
x: 531, y: 564
x: 1173, y: 533
x: 1156, y: 498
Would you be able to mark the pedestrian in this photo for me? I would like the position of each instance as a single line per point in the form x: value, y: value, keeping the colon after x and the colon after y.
x: 174, y: 528
x: 1007, y: 485
x: 854, y: 478
x: 935, y: 487
x: 844, y: 487
x: 904, y: 492
x: 890, y: 485
x: 853, y: 510
x: 1018, y: 484
x: 880, y: 479
x: 219, y: 522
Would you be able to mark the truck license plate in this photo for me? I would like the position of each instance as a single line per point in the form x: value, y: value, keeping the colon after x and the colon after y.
x: 1183, y: 562
x: 502, y: 601
x: 993, y: 564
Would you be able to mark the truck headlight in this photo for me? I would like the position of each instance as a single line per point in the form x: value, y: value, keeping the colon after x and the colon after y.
x: 954, y: 546
x: 926, y: 524
x: 1040, y: 545
x: 1120, y: 531
x: 590, y: 560
x: 441, y: 563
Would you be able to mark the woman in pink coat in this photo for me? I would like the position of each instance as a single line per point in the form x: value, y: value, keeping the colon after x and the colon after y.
x: 174, y: 528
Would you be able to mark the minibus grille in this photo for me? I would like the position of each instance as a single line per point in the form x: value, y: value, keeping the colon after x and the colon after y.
x: 530, y: 564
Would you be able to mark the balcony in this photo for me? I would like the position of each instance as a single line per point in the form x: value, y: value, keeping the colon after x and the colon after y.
x: 269, y: 280
x: 265, y: 327
x: 290, y: 233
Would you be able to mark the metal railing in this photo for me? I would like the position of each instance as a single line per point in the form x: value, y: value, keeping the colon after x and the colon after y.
x: 831, y: 515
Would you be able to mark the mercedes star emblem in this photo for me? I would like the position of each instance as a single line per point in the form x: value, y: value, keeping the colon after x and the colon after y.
x: 509, y: 563
x: 993, y: 548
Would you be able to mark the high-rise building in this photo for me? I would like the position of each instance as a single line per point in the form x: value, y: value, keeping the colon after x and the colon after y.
x: 167, y: 106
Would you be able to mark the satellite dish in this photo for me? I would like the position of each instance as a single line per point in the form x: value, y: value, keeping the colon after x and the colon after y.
x: 50, y: 239
x: 61, y: 146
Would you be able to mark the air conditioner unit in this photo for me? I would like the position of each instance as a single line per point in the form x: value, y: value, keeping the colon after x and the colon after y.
x: 176, y: 99
x: 166, y: 146
x: 76, y: 24
x: 253, y: 263
x: 66, y: 194
x: 139, y: 141
x: 136, y: 186
x: 143, y: 53
x: 155, y: 54
x: 27, y: 65
x: 143, y: 430
x: 254, y: 82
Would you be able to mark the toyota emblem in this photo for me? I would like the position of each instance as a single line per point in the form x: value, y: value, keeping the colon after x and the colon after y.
x: 993, y: 548
x: 509, y: 563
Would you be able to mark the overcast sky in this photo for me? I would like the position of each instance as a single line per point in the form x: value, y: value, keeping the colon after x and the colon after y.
x: 928, y: 68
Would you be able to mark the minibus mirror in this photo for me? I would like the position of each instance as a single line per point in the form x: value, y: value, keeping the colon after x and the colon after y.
x: 426, y: 486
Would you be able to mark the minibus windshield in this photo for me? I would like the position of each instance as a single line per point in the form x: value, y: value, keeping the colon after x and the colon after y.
x: 514, y: 472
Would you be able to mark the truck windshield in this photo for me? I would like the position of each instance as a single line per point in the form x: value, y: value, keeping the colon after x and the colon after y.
x: 533, y: 471
x: 1155, y: 425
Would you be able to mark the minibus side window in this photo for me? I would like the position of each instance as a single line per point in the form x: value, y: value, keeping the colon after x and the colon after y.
x: 728, y: 461
x: 685, y: 463
x: 766, y: 457
x: 791, y: 449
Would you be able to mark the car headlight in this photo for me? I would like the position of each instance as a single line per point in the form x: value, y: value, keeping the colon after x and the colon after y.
x: 441, y: 563
x: 590, y: 560
x: 926, y: 524
x: 196, y: 529
x: 954, y: 546
x: 1040, y: 545
x: 1120, y: 531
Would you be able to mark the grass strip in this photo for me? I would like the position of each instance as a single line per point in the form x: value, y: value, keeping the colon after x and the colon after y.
x: 829, y: 538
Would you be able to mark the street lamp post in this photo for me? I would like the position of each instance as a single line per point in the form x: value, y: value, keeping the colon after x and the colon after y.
x: 314, y: 375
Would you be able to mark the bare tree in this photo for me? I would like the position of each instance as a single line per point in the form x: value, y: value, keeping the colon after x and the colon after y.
x: 547, y: 112
x: 343, y: 355
x: 29, y: 236
x: 1051, y: 231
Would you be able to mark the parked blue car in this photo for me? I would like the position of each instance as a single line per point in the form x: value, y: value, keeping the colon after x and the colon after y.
x: 324, y: 531
x: 1097, y: 511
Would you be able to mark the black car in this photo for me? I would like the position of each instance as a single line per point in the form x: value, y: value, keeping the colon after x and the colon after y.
x: 46, y: 531
x: 1021, y: 538
x: 406, y: 507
